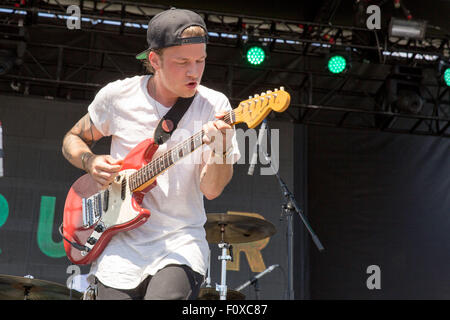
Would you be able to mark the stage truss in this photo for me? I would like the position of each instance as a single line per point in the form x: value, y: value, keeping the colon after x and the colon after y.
x: 75, y: 64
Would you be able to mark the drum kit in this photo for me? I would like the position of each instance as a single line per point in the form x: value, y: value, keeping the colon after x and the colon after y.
x: 221, y: 228
x: 225, y: 230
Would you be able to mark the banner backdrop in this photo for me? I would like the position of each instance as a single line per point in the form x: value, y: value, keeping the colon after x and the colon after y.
x: 380, y: 203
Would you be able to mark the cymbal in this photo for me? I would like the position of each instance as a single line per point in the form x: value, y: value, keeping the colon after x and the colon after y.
x: 237, y: 228
x: 19, y: 288
x: 213, y: 294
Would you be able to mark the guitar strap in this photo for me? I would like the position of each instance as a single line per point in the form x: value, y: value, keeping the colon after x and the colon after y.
x: 169, y: 121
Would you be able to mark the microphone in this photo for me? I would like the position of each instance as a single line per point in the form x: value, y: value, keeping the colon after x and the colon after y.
x: 255, y: 150
x: 259, y: 275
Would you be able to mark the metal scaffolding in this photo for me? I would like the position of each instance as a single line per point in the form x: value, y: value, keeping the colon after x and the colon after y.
x: 74, y: 64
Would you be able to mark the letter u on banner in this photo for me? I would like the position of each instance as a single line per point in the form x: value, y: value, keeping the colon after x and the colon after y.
x: 45, y: 229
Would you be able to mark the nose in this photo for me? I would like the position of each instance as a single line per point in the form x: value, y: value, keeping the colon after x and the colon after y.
x: 191, y: 71
x: 194, y: 70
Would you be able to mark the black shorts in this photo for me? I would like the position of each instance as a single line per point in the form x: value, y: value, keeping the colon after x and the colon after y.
x: 173, y: 282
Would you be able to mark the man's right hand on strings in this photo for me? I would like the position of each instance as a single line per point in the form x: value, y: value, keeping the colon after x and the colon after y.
x: 102, y: 168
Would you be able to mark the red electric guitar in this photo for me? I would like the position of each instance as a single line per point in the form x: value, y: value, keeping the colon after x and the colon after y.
x: 92, y: 216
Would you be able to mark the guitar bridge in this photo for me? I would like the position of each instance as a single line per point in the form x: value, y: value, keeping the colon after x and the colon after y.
x: 123, y: 189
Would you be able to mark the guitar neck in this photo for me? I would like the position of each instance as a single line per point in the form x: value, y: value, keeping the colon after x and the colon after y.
x: 171, y: 156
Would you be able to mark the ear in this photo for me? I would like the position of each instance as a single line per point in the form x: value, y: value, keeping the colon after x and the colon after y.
x: 155, y: 60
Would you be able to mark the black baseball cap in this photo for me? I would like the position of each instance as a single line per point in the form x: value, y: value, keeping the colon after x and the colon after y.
x: 165, y: 29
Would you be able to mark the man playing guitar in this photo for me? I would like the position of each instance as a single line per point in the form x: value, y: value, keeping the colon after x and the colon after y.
x: 166, y: 257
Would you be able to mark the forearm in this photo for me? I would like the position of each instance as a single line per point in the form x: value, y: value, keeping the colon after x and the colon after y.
x: 215, y: 175
x: 217, y: 170
x: 77, y: 142
x: 76, y: 151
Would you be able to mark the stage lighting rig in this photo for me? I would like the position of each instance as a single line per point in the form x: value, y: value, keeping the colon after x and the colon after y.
x: 444, y: 72
x: 406, y: 90
x: 402, y: 92
x: 408, y: 29
x: 254, y: 49
x: 337, y: 63
x: 255, y: 53
x: 338, y: 60
x: 447, y: 77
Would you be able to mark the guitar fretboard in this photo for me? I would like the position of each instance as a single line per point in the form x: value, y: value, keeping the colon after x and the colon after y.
x: 168, y: 158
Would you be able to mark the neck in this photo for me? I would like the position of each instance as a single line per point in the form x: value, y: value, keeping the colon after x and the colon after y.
x: 158, y: 92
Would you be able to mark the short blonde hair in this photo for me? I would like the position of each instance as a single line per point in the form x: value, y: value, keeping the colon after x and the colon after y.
x: 193, y: 31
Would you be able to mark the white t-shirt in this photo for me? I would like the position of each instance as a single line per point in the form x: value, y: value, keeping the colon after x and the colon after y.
x: 175, y: 232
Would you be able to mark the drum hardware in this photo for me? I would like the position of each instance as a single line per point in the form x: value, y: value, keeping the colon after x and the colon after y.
x: 208, y: 278
x: 222, y: 288
x: 225, y: 229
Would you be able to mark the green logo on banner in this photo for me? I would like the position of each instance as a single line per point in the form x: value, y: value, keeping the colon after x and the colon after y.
x: 45, y: 229
x: 4, y: 211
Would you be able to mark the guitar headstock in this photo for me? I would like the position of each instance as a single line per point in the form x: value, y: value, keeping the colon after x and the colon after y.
x: 253, y: 110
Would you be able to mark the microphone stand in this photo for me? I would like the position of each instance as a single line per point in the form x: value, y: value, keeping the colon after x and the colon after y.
x: 256, y: 286
x: 289, y: 207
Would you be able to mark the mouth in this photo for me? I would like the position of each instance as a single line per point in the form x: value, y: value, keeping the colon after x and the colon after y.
x: 192, y: 85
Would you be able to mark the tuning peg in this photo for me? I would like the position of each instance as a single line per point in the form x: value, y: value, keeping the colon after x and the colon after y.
x: 276, y: 89
x: 282, y: 88
x: 269, y: 91
x: 263, y: 93
x: 256, y: 95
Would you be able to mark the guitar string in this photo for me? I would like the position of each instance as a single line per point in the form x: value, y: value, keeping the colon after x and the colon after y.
x: 180, y: 146
x: 156, y: 164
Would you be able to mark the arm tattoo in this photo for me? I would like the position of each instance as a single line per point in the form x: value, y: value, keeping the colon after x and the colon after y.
x: 82, y: 132
x: 82, y: 128
x: 67, y: 142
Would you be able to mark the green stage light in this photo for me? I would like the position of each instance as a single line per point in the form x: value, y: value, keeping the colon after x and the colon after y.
x: 255, y: 55
x: 337, y: 64
x: 447, y: 77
